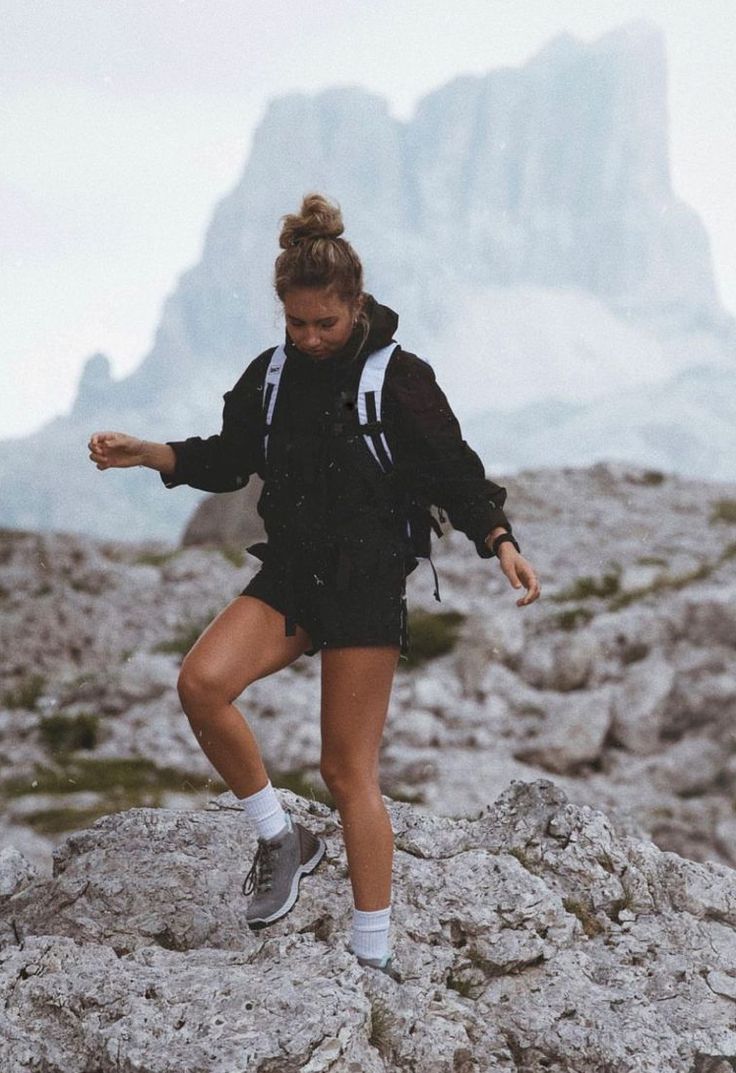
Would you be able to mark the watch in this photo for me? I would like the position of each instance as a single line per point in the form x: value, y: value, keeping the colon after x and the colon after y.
x: 500, y: 540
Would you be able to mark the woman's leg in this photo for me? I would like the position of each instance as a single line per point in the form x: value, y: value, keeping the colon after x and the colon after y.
x: 243, y: 643
x: 356, y: 689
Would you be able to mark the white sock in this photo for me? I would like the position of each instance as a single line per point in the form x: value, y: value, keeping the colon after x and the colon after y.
x: 370, y: 932
x: 264, y: 810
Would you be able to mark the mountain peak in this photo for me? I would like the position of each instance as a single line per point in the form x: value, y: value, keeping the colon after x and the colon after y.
x: 95, y: 382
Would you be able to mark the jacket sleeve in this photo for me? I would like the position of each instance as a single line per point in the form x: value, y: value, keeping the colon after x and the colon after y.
x: 225, y: 461
x: 433, y: 458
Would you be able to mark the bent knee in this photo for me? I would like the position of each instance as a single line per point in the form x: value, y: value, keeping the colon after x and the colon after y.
x: 199, y: 682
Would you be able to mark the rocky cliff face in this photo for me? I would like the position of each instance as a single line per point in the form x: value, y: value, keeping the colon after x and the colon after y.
x: 524, y: 225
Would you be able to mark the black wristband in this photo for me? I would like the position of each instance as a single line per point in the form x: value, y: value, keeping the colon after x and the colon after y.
x: 500, y: 539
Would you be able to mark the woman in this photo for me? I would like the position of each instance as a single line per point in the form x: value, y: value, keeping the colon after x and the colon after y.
x: 336, y: 560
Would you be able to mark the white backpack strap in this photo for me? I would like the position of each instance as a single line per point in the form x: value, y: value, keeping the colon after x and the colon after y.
x: 271, y: 390
x: 370, y: 390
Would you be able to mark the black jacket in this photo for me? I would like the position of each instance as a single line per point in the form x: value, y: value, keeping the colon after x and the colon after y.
x: 310, y: 475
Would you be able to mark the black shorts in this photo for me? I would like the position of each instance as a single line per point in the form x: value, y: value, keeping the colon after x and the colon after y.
x: 364, y: 606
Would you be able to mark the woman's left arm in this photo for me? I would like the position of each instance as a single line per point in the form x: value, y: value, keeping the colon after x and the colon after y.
x: 443, y: 468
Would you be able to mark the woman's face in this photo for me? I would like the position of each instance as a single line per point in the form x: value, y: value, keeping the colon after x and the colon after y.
x: 319, y: 322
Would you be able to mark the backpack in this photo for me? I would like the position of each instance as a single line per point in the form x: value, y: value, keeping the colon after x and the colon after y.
x: 361, y: 411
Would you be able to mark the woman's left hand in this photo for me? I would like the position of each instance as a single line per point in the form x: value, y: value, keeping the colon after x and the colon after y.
x: 519, y: 572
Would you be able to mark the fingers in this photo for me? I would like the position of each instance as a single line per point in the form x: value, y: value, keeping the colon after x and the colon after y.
x: 519, y: 572
x: 100, y: 444
x: 97, y: 449
x: 533, y: 588
x: 104, y: 439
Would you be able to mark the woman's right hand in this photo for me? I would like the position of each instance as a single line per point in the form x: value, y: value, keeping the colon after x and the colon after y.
x: 108, y: 449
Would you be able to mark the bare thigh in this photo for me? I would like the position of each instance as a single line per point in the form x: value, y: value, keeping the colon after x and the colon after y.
x: 356, y: 689
x: 246, y: 641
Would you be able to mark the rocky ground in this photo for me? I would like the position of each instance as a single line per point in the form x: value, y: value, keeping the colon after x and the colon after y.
x: 562, y: 778
x: 619, y: 683
x: 536, y: 937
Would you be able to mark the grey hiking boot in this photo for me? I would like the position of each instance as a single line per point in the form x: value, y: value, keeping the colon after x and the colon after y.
x: 385, y: 964
x: 277, y: 869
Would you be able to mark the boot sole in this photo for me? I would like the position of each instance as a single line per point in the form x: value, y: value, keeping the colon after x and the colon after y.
x: 303, y: 870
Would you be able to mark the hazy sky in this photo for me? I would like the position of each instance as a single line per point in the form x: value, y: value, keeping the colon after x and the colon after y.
x: 123, y: 122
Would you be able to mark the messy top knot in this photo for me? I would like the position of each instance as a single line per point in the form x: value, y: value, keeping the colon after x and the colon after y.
x: 319, y: 218
x: 314, y: 255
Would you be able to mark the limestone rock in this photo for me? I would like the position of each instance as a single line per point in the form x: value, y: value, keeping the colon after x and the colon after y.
x: 640, y: 704
x: 535, y: 936
x: 15, y: 871
x: 573, y: 732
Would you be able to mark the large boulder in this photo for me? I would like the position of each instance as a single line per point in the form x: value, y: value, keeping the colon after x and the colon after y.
x: 537, y: 936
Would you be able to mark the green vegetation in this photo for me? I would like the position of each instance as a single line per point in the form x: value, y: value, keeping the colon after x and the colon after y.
x: 185, y: 637
x: 56, y: 821
x: 465, y: 987
x: 574, y: 616
x: 530, y: 709
x: 723, y: 510
x: 524, y: 859
x: 606, y: 862
x: 155, y: 558
x: 609, y: 586
x: 8, y: 538
x: 65, y: 733
x: 125, y: 776
x: 234, y: 554
x: 13, y: 536
x: 26, y: 694
x: 661, y: 584
x: 583, y: 588
x: 651, y: 477
x: 591, y: 925
x: 634, y: 652
x: 431, y: 635
x: 415, y: 798
x: 381, y: 1026
x: 651, y: 560
x: 122, y: 784
x: 299, y: 782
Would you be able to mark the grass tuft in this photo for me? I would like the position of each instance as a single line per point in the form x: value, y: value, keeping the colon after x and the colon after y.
x: 381, y: 1027
x: 185, y: 637
x: 299, y: 782
x: 591, y: 925
x: 431, y: 635
x: 573, y: 617
x: 583, y: 588
x: 233, y: 554
x: 155, y: 558
x: 26, y: 694
x: 723, y: 510
x: 65, y: 733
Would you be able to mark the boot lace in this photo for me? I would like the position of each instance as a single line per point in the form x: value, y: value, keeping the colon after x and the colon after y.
x: 260, y: 876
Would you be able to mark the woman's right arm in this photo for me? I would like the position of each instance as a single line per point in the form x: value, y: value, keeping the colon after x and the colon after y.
x: 116, y: 449
x: 220, y: 463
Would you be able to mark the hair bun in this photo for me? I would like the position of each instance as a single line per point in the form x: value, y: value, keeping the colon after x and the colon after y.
x: 318, y: 218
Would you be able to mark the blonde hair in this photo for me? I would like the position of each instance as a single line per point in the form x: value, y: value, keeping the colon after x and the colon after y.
x: 314, y: 254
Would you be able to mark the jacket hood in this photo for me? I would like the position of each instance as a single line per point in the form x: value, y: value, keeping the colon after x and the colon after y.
x: 382, y: 325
